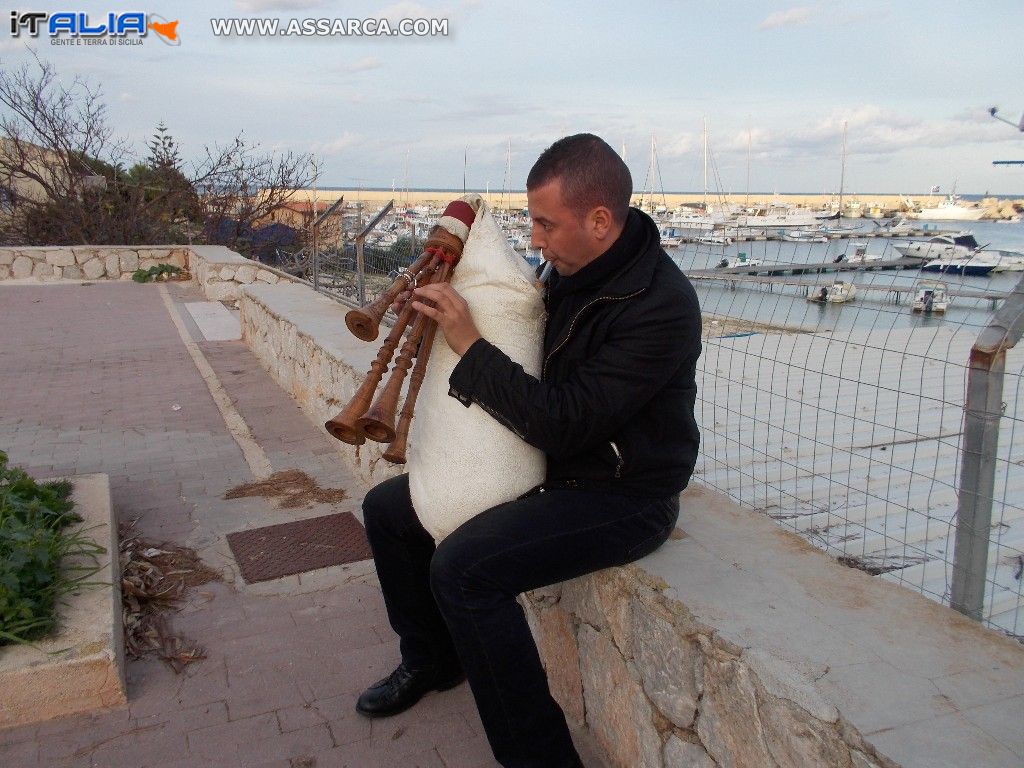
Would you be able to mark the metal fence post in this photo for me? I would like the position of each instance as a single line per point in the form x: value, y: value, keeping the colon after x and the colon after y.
x: 360, y: 272
x: 983, y: 410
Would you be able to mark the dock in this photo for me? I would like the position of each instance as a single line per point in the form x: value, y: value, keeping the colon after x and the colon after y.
x: 770, y: 269
x: 896, y: 292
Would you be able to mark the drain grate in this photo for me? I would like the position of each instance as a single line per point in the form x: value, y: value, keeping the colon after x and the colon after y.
x: 305, y: 545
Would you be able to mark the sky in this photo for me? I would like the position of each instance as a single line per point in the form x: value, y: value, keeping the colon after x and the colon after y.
x: 913, y: 81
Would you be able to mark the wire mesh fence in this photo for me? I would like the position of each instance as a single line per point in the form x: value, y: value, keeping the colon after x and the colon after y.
x: 841, y: 413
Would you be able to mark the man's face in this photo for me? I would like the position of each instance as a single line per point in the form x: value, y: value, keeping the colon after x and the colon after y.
x: 567, y: 242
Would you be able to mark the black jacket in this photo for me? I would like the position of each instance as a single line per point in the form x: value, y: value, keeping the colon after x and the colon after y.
x: 614, y: 408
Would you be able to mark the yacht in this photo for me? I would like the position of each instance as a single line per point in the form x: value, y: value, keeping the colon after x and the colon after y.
x: 950, y: 209
x: 976, y: 265
x: 949, y: 246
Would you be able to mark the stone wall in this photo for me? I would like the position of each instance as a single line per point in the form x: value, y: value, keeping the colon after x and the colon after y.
x: 88, y: 262
x: 219, y: 271
x: 658, y: 688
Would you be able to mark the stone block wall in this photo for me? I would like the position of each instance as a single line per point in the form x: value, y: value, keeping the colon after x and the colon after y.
x: 658, y: 688
x: 219, y: 271
x: 87, y: 262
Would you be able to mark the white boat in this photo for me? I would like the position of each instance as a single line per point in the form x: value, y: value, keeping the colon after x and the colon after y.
x: 714, y: 240
x: 898, y: 226
x: 737, y: 261
x: 839, y: 292
x: 930, y: 297
x: 776, y: 216
x: 859, y: 256
x: 950, y: 209
x: 1007, y: 261
x: 805, y: 236
x: 950, y: 246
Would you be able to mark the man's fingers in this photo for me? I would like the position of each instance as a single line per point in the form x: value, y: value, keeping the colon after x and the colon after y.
x: 430, y: 312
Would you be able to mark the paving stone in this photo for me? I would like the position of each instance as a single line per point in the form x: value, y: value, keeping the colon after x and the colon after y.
x: 292, y: 648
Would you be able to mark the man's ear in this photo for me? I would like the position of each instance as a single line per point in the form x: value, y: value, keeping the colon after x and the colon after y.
x: 601, y: 222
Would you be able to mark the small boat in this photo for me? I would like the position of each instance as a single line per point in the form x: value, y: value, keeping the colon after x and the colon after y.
x: 930, y: 297
x: 714, y: 240
x: 945, y: 246
x: 828, y: 215
x: 973, y: 266
x: 897, y: 226
x: 860, y: 256
x: 737, y: 261
x: 839, y: 292
x: 804, y: 236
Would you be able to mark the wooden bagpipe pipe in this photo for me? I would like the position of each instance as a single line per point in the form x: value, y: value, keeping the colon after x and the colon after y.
x: 368, y: 417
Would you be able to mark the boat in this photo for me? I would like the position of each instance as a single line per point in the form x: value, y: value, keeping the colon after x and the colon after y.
x: 804, y: 236
x: 776, y: 216
x: 839, y: 292
x: 950, y: 209
x: 930, y: 297
x: 976, y: 265
x: 714, y: 240
x: 859, y: 257
x: 946, y: 246
x: 828, y: 215
x: 896, y: 226
x: 1007, y: 261
x: 740, y: 260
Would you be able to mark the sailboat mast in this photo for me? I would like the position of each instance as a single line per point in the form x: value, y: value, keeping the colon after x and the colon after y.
x: 705, y: 165
x: 746, y: 201
x: 842, y: 172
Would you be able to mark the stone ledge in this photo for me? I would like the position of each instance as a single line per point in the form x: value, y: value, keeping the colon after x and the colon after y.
x: 740, y: 642
x: 82, y: 668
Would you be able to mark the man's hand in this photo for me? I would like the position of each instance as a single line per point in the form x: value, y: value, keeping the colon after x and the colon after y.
x: 451, y: 312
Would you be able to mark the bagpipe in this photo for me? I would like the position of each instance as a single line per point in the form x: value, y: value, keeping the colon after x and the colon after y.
x: 374, y: 418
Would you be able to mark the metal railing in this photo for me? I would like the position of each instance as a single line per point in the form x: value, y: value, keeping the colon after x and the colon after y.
x: 886, y: 437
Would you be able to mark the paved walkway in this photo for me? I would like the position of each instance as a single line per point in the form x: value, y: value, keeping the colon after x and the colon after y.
x: 95, y: 378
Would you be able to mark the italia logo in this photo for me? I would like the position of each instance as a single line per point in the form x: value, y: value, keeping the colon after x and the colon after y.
x: 75, y: 25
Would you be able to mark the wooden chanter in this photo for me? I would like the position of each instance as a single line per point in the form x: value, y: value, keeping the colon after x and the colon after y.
x: 371, y: 417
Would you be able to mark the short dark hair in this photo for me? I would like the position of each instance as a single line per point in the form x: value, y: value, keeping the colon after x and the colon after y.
x: 591, y: 173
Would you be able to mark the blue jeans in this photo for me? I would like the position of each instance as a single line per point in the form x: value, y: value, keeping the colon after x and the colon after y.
x: 456, y: 603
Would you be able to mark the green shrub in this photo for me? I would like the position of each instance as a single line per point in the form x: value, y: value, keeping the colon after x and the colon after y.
x: 156, y: 272
x: 33, y: 542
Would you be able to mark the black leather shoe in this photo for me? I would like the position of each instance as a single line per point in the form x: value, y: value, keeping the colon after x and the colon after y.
x: 403, y: 688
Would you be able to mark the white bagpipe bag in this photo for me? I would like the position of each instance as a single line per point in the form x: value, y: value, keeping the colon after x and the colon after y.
x: 461, y: 460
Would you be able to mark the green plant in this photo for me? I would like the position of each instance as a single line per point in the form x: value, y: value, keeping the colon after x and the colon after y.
x: 156, y: 272
x: 35, y: 549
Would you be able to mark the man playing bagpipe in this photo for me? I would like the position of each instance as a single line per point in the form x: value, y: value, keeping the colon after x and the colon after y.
x: 612, y: 411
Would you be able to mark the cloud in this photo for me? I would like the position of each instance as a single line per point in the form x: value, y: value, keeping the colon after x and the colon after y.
x: 790, y: 17
x: 364, y: 65
x: 871, y: 131
x: 257, y: 6
x: 338, y: 143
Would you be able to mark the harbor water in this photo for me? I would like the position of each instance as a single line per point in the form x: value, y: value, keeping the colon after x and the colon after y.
x: 786, y: 305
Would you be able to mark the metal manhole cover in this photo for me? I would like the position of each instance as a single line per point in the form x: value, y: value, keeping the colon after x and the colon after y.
x: 305, y: 545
